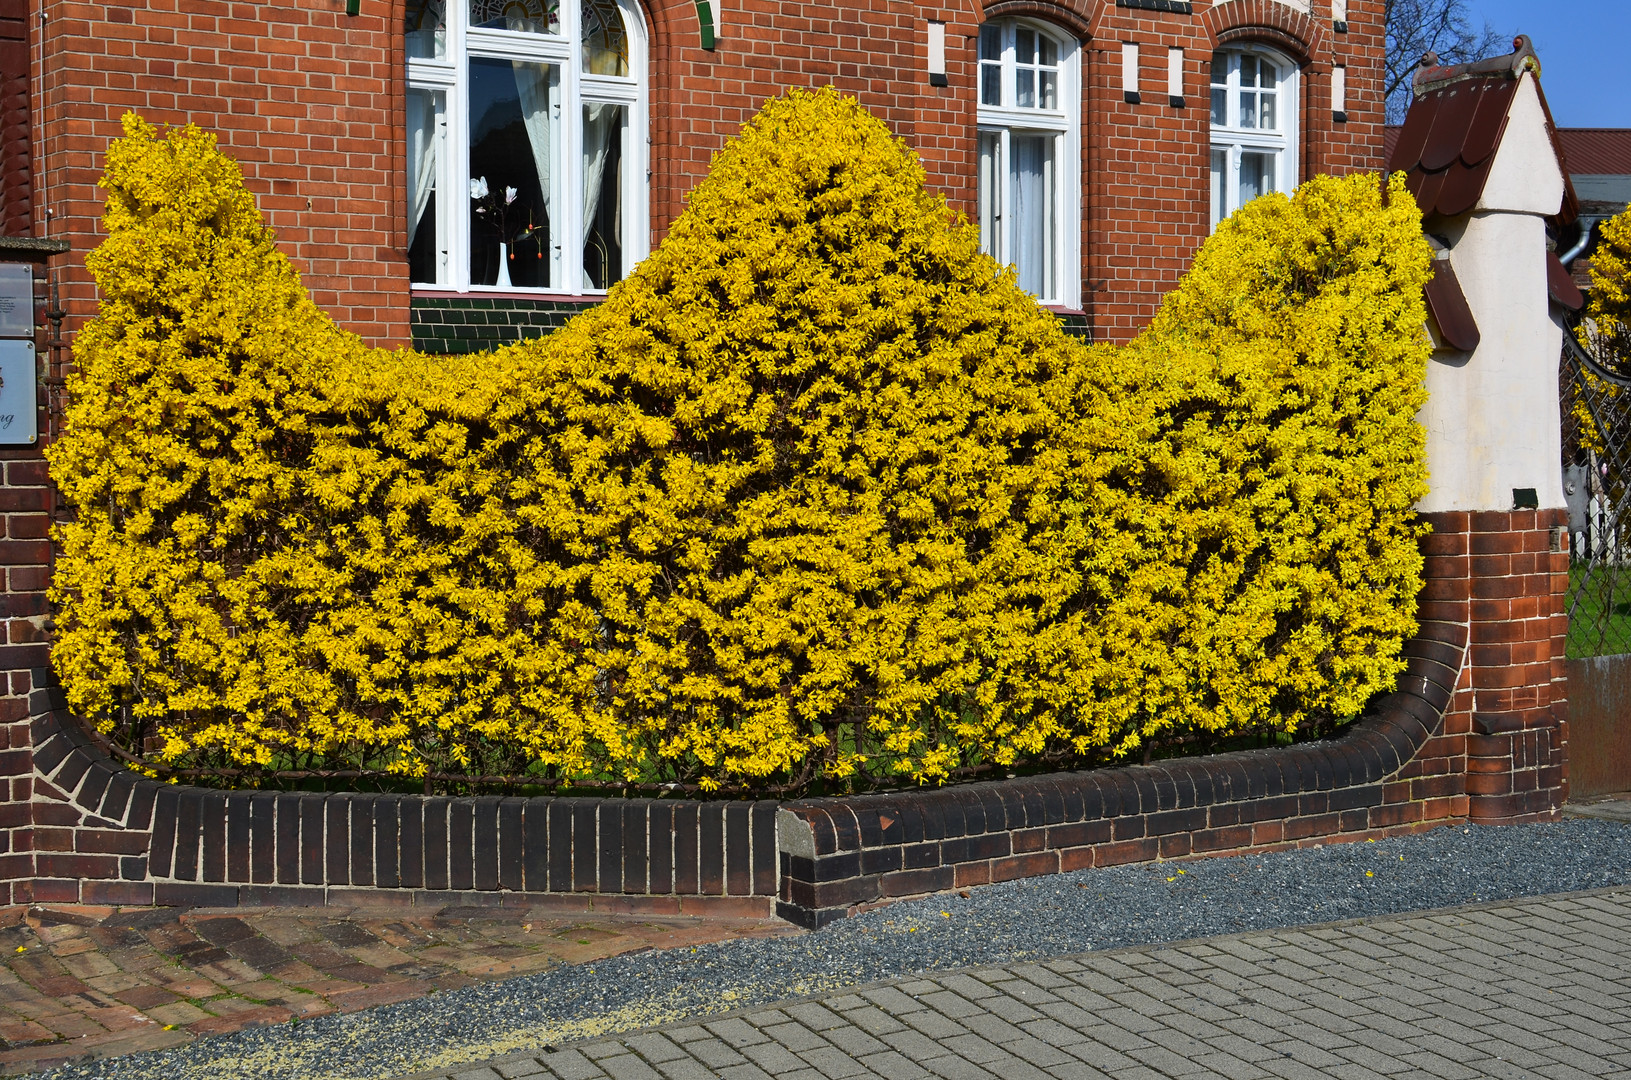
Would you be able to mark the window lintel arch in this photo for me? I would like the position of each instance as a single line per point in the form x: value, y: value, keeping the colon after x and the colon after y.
x: 1059, y: 16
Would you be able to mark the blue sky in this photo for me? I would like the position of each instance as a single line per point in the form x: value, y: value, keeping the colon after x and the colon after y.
x: 1585, y: 54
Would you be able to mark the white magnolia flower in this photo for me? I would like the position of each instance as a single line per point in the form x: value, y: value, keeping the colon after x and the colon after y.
x: 509, y: 195
x: 478, y: 188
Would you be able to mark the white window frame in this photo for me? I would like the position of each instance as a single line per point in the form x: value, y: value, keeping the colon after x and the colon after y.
x: 450, y: 75
x: 1064, y: 124
x: 1235, y: 140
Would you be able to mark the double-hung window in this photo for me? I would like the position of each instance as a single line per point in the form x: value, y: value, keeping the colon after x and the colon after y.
x: 1029, y: 156
x: 1254, y: 127
x: 526, y: 143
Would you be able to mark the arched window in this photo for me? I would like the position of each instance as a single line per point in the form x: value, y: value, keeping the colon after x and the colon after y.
x: 526, y: 143
x: 1254, y: 127
x: 1030, y: 155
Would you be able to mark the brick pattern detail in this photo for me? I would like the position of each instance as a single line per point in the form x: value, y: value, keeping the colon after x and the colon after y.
x: 453, y: 323
x: 851, y: 853
x: 99, y: 832
x: 1472, y: 733
x: 310, y: 102
x: 1270, y: 21
x: 1505, y: 576
x: 1147, y: 166
x: 1477, y: 730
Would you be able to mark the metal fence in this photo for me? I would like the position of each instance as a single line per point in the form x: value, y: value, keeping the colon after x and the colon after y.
x: 1596, y: 407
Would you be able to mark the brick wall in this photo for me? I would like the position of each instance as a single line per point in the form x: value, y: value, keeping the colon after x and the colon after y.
x: 308, y: 100
x: 310, y: 103
x: 1476, y: 731
x: 26, y: 505
x: 1506, y: 576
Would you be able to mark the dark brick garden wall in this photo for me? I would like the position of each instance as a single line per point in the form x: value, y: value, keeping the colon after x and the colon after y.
x: 108, y: 836
x: 1477, y: 730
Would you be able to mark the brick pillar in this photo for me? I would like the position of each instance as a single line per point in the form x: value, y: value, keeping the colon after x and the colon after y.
x: 25, y: 572
x: 1504, y: 575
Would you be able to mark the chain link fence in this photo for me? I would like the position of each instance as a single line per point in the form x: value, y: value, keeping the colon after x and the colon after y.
x: 1596, y: 400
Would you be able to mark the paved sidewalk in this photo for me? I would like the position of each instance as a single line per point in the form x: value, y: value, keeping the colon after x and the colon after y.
x: 1615, y: 807
x: 1538, y: 987
x: 80, y: 982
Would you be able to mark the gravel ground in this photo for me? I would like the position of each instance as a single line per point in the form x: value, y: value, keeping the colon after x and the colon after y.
x: 1022, y: 920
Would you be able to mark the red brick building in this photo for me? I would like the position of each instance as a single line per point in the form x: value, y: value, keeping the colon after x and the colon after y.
x: 1095, y: 140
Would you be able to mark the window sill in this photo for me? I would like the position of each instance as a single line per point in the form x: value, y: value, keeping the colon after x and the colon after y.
x: 486, y: 292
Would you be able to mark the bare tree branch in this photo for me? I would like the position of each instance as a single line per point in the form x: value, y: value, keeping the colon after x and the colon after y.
x: 1441, y: 26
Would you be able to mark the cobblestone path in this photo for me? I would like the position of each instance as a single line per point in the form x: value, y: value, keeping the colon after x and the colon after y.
x: 85, y: 981
x: 1538, y: 988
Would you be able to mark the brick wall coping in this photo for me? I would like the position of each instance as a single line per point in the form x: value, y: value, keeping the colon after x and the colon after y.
x: 136, y: 840
x: 127, y: 839
x: 841, y: 854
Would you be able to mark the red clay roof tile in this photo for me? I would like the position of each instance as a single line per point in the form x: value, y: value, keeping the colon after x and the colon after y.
x: 1597, y: 151
x: 1455, y: 124
x: 1449, y: 309
x: 1561, y: 286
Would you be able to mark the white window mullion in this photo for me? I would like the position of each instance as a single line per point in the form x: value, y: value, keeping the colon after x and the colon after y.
x: 568, y: 179
x: 457, y: 235
x: 636, y: 152
x: 1007, y: 201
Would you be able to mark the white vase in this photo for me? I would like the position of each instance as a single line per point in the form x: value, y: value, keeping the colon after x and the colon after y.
x: 503, y: 281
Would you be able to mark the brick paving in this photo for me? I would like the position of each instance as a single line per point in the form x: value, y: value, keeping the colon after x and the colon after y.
x: 1539, y: 987
x: 80, y: 981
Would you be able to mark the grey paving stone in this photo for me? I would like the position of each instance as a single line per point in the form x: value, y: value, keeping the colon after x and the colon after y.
x: 971, y: 1047
x: 833, y: 1063
x: 628, y: 1067
x: 686, y: 1069
x: 737, y: 1033
x: 773, y: 1059
x: 714, y: 1053
x: 873, y: 1020
x: 955, y: 1068
x: 854, y: 1042
x: 815, y: 1016
x: 745, y: 1071
x: 894, y: 1065
x: 1527, y: 989
x: 794, y: 1036
x: 654, y: 1046
x: 568, y: 1063
x: 1076, y: 1070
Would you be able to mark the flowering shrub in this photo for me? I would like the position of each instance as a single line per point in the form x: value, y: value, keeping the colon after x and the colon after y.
x: 1608, y: 331
x: 817, y: 488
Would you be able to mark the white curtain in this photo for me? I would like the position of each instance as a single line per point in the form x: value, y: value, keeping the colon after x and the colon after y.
x: 1031, y: 223
x: 421, y: 157
x: 600, y: 123
x: 539, y: 93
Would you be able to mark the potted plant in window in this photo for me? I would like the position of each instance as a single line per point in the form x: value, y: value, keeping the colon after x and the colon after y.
x: 495, y: 208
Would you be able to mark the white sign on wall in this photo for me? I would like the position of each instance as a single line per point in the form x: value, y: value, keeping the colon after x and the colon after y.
x: 18, y: 418
x: 16, y: 300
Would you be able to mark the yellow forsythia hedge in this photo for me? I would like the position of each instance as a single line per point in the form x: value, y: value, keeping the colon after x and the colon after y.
x: 817, y: 489
x: 1608, y: 329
